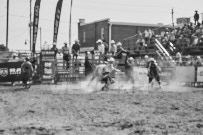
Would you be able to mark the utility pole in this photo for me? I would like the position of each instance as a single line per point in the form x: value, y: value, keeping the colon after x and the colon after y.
x: 7, y: 24
x: 30, y: 25
x: 40, y: 38
x: 172, y: 17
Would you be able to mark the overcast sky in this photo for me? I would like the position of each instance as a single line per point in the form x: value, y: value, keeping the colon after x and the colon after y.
x: 134, y: 11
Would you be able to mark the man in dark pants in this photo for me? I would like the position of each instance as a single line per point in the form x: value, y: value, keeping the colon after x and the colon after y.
x: 76, y: 49
x: 196, y: 17
x: 108, y: 74
x: 54, y: 48
x: 153, y: 72
x: 66, y: 55
x: 27, y: 71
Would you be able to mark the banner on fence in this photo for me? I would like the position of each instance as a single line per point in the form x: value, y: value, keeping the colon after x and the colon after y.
x: 199, y: 74
x: 185, y: 74
x: 10, y: 71
x: 48, y: 62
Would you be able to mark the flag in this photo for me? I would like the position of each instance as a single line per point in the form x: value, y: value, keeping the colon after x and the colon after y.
x: 35, y: 23
x: 57, y: 20
x: 70, y: 22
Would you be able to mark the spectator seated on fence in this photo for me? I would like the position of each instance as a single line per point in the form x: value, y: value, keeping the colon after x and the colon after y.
x: 171, y: 62
x: 14, y: 57
x: 198, y: 61
x: 160, y: 61
x: 188, y: 61
x: 201, y: 40
x: 120, y: 50
x: 195, y: 41
x: 140, y: 43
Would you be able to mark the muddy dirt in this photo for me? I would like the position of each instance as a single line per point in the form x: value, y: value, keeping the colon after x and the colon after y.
x: 51, y: 110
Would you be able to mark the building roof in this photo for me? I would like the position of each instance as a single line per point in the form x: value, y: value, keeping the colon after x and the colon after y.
x: 139, y: 24
x: 127, y: 23
x: 106, y: 19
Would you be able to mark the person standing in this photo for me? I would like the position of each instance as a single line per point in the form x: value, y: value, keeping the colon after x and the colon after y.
x: 108, y: 74
x: 76, y: 49
x: 120, y: 50
x: 106, y: 48
x: 66, y: 55
x: 101, y: 47
x: 27, y: 71
x: 113, y: 48
x: 54, y: 48
x: 129, y: 69
x: 196, y: 17
x: 153, y: 72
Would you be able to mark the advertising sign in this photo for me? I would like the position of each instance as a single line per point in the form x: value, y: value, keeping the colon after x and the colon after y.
x: 185, y: 74
x: 10, y: 71
x: 48, y: 61
x: 199, y: 74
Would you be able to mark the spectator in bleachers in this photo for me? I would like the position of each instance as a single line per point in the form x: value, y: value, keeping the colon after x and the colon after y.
x: 147, y: 35
x: 113, y: 49
x: 201, y: 40
x: 178, y: 59
x: 172, y: 37
x: 195, y: 41
x: 141, y: 43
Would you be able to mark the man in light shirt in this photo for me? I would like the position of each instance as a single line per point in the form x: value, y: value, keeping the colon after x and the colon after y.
x: 101, y: 47
x: 113, y: 47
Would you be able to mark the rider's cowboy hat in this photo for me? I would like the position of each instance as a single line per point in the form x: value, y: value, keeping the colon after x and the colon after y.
x: 131, y: 59
x: 151, y: 59
x: 111, y: 59
x: 112, y: 42
x: 119, y: 44
x: 99, y: 41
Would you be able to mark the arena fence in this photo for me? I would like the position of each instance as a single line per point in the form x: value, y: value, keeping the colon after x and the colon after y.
x: 52, y: 69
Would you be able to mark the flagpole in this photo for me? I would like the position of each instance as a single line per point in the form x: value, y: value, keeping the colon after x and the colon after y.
x: 70, y: 21
x: 7, y: 24
x: 30, y: 25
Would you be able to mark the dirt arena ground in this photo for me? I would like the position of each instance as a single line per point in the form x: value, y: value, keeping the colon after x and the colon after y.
x: 59, y: 110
